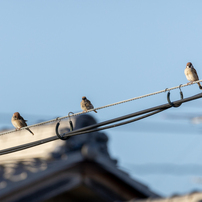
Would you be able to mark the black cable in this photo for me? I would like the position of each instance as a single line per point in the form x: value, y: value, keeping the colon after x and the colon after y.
x: 157, y: 109
x: 176, y: 103
x: 115, y: 125
x: 36, y: 143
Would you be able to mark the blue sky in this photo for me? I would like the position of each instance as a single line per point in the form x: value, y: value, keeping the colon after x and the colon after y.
x: 55, y: 52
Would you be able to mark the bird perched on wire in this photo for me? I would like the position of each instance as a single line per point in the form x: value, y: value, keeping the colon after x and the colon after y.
x: 86, y: 104
x: 191, y: 74
x: 18, y: 122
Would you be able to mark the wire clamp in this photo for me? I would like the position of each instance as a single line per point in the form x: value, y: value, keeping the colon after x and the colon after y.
x: 168, y: 97
x: 58, y: 120
x: 70, y: 122
x: 56, y: 130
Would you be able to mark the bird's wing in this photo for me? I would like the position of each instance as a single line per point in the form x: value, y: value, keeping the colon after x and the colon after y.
x: 23, y: 121
x: 89, y: 104
x: 195, y: 73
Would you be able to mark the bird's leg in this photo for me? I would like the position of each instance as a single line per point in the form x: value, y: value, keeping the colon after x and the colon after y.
x: 190, y: 82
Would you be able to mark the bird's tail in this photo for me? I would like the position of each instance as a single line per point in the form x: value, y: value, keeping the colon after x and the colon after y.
x: 95, y: 111
x: 30, y: 131
x: 199, y: 86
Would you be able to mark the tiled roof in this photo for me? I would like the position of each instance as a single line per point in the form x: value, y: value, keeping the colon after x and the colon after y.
x: 26, y: 168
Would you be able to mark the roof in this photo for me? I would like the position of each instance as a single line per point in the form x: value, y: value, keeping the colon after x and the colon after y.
x: 82, y: 162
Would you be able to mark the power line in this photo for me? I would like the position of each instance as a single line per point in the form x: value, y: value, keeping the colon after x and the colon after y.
x: 98, y: 108
x: 88, y: 129
x: 93, y: 128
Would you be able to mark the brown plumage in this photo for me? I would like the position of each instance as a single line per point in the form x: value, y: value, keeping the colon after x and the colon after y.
x: 18, y: 122
x: 191, y: 74
x: 86, y: 104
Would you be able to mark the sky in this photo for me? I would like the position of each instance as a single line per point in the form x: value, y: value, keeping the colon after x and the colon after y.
x: 54, y: 52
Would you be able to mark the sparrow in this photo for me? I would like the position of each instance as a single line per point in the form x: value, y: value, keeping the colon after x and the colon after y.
x: 191, y: 74
x: 86, y: 104
x: 18, y: 122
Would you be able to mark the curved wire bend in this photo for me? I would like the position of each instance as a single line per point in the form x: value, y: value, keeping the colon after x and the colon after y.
x: 168, y: 97
x: 57, y: 133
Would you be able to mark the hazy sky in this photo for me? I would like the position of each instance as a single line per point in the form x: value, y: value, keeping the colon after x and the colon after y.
x: 55, y: 52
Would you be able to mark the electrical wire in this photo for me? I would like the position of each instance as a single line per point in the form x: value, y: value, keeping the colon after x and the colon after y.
x: 164, y: 106
x: 76, y: 132
x: 111, y: 126
x: 94, y: 127
x: 98, y: 108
